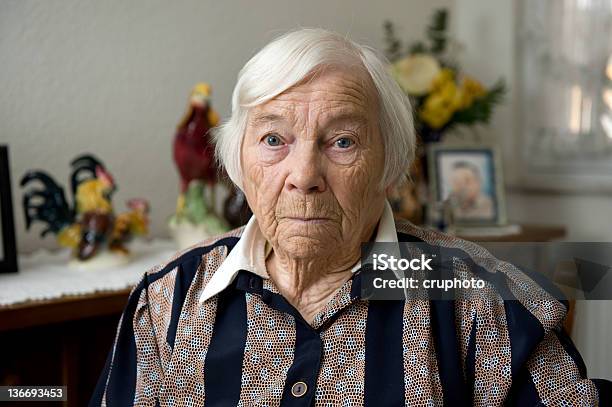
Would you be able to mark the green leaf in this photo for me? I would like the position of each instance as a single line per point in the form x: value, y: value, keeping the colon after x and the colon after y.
x: 481, y: 109
x: 393, y: 44
x: 436, y: 31
x: 417, y: 48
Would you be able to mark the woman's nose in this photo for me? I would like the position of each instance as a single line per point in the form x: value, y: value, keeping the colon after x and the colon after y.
x: 305, y: 170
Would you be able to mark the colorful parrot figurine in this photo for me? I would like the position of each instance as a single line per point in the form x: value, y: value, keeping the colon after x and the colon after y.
x: 90, y: 223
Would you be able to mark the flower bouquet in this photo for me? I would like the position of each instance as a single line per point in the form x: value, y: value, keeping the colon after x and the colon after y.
x: 443, y: 98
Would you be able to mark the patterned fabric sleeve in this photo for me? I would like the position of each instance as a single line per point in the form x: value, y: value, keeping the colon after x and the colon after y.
x: 140, y: 355
x: 555, y: 375
x: 512, y: 345
x: 118, y: 381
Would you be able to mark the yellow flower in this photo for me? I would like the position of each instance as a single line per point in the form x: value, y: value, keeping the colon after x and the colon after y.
x: 452, y: 94
x: 470, y: 90
x: 444, y: 77
x: 445, y: 98
x: 437, y: 110
x: 415, y: 73
x: 473, y: 87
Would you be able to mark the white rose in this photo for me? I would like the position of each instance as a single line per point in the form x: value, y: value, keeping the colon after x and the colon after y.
x: 415, y: 73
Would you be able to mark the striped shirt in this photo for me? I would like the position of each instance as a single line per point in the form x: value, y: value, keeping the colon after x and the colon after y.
x: 239, y: 342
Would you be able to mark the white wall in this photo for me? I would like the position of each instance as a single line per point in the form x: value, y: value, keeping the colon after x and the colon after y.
x: 112, y: 77
x: 487, y: 31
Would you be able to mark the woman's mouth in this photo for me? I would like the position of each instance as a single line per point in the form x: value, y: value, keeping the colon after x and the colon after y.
x: 309, y: 220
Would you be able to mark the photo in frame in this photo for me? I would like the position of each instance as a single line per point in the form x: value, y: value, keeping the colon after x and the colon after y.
x: 8, y: 248
x: 469, y: 178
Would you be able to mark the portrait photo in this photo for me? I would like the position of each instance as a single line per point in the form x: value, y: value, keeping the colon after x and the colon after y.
x: 8, y: 255
x: 469, y: 179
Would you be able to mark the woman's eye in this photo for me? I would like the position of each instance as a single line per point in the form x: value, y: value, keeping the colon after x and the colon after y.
x: 273, y: 140
x: 344, y: 142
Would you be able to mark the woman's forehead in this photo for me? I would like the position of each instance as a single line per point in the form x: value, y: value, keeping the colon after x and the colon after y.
x: 330, y: 93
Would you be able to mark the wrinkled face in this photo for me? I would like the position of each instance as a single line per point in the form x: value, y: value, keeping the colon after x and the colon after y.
x: 465, y: 184
x: 312, y: 161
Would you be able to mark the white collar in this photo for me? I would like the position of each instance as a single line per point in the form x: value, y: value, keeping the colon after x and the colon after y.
x: 249, y: 253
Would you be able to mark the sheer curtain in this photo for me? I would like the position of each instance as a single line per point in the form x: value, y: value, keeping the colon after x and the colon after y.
x: 564, y: 66
x: 566, y: 71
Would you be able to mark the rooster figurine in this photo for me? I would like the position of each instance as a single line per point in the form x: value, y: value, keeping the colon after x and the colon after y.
x: 194, y: 154
x: 90, y: 223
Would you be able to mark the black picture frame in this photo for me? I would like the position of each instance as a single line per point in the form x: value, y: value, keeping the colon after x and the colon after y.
x: 8, y: 255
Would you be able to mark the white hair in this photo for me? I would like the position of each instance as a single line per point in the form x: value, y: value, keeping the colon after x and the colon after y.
x: 288, y: 60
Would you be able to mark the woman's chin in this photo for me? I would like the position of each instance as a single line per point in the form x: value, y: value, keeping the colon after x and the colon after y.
x: 306, y: 246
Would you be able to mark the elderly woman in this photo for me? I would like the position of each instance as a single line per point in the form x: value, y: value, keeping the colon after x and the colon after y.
x: 271, y: 313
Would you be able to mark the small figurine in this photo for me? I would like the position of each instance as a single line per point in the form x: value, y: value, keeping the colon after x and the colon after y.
x: 194, y: 154
x: 90, y: 225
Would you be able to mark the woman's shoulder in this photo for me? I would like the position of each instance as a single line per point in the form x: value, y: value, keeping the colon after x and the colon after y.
x: 522, y: 296
x: 186, y: 271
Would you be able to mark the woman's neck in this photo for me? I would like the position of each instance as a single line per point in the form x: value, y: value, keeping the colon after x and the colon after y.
x: 308, y: 284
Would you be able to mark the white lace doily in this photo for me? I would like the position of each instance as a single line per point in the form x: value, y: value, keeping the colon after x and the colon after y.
x: 46, y: 275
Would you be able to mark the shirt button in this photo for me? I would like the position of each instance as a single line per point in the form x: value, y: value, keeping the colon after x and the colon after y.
x: 299, y: 389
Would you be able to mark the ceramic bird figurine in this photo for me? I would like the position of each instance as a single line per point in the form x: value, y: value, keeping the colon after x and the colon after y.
x: 90, y: 224
x: 194, y: 152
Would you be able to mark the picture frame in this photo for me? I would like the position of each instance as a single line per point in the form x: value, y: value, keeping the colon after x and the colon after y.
x: 469, y: 178
x: 8, y: 247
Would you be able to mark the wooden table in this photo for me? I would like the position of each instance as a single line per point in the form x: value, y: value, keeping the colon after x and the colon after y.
x: 62, y: 310
x: 528, y: 233
x: 59, y: 342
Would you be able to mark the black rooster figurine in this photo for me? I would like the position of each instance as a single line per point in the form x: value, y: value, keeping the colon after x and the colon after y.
x: 90, y: 222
